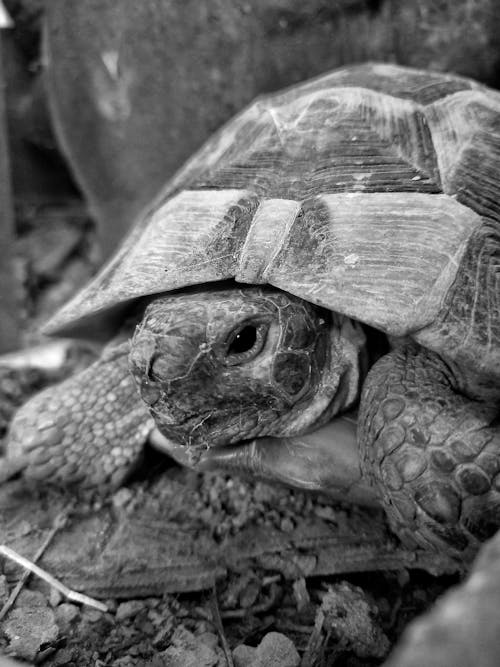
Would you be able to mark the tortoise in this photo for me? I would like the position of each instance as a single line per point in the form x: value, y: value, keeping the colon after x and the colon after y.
x: 335, y: 247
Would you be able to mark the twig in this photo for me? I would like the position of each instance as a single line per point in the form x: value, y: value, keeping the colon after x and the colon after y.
x: 73, y: 596
x: 287, y: 626
x: 260, y: 608
x: 59, y: 522
x: 315, y: 642
x: 31, y: 567
x: 220, y: 628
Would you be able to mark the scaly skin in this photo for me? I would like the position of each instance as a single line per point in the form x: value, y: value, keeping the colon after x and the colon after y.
x: 432, y: 452
x: 303, y: 368
x: 87, y: 431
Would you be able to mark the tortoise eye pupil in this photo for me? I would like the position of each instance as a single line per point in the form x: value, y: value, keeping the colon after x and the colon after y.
x: 245, y: 344
x: 243, y: 340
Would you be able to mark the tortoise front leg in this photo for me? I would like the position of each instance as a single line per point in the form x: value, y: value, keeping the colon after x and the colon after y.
x: 432, y: 452
x: 88, y: 430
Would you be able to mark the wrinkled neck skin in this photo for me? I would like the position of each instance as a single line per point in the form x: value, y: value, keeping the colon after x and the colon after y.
x: 338, y: 387
x: 221, y: 366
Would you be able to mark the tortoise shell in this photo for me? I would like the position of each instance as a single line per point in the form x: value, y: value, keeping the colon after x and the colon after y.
x: 372, y: 191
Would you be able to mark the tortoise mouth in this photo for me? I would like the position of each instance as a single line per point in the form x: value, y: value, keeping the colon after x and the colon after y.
x: 190, y: 454
x: 197, y: 433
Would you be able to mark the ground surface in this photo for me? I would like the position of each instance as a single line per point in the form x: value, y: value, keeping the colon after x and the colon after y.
x: 256, y: 553
x: 191, y: 567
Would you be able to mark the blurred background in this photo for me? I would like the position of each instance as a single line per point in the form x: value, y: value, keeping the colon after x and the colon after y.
x: 102, y: 100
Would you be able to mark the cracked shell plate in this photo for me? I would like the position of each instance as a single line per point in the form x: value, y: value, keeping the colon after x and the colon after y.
x: 359, y: 191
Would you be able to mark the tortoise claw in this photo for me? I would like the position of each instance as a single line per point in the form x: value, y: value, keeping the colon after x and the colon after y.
x: 9, y: 467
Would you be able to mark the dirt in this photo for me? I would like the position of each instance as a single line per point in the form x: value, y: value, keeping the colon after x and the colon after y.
x: 187, y: 563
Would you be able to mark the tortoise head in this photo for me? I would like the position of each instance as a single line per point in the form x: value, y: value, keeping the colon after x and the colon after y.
x: 224, y: 365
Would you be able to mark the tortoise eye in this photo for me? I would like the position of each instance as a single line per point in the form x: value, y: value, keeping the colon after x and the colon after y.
x: 245, y: 343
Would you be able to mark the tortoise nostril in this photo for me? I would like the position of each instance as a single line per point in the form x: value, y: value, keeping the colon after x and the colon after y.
x: 159, y: 368
x: 155, y: 360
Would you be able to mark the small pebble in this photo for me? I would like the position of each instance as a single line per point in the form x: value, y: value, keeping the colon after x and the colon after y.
x: 161, y: 639
x: 111, y: 604
x: 248, y: 596
x: 63, y: 656
x: 55, y: 597
x: 209, y: 639
x: 186, y: 650
x: 275, y: 650
x: 65, y: 614
x: 27, y: 628
x: 122, y: 497
x: 23, y: 528
x: 129, y: 609
x: 92, y: 615
x: 353, y: 619
x: 243, y: 655
x: 286, y: 525
x: 325, y: 512
x: 301, y: 594
x: 156, y: 618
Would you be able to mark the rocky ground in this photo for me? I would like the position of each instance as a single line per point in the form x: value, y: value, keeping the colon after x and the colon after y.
x: 193, y: 569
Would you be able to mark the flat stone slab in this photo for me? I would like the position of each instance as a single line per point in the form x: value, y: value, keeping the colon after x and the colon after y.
x: 154, y: 541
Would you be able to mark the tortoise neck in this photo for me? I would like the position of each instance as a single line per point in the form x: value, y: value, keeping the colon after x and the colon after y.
x: 377, y: 346
x: 356, y: 358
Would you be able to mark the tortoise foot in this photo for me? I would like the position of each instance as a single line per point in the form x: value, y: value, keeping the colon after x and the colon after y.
x: 433, y: 453
x: 87, y: 431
